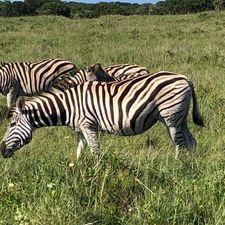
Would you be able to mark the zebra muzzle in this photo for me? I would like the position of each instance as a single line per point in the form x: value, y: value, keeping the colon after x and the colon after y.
x: 3, y: 150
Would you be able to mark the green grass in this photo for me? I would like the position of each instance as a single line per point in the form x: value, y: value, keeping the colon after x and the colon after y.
x: 43, y: 183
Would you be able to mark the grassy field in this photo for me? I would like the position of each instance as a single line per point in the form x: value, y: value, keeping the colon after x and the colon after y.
x: 43, y: 183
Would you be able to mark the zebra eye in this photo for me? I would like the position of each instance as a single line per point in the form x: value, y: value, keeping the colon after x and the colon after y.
x: 13, y: 124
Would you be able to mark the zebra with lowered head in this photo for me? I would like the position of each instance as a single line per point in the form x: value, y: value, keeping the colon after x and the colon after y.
x: 128, y: 107
x: 117, y: 72
x: 81, y: 76
x: 29, y: 78
x: 104, y: 74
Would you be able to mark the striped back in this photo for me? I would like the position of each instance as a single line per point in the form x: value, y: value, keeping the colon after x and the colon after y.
x: 80, y: 77
x: 125, y: 69
x: 117, y: 72
x: 98, y: 73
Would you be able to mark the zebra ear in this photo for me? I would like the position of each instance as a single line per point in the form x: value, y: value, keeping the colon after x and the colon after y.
x: 101, y: 74
x: 20, y: 102
x: 86, y: 68
x: 97, y: 68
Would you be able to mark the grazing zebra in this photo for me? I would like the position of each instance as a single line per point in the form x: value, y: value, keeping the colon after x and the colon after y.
x: 117, y: 72
x: 29, y: 78
x: 129, y: 107
x: 98, y: 73
x: 81, y: 76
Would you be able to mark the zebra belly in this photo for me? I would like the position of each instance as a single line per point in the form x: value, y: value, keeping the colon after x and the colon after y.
x: 130, y: 127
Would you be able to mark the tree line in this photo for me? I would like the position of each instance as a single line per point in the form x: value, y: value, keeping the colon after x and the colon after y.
x: 83, y: 10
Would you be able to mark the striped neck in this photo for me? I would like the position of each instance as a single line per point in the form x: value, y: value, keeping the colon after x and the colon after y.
x: 47, y: 109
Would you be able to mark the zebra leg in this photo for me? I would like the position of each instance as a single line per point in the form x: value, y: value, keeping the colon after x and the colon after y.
x: 81, y: 143
x: 190, y: 140
x: 174, y: 117
x: 175, y: 131
x: 11, y: 97
x: 91, y: 136
x: 178, y: 138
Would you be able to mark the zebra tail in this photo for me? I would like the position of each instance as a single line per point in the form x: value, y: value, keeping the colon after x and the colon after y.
x: 196, y: 115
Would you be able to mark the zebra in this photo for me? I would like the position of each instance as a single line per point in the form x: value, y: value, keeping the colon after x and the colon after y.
x: 81, y: 76
x: 116, y: 72
x: 125, y: 69
x: 30, y: 78
x: 128, y: 107
x: 98, y: 73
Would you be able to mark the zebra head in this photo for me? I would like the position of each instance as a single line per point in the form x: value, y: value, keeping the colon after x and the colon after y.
x: 19, y: 130
x: 100, y: 73
x: 88, y: 73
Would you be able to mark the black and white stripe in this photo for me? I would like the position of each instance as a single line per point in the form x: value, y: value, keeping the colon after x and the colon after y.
x: 29, y: 78
x: 98, y: 73
x: 125, y: 69
x: 129, y: 107
x: 81, y: 76
x: 117, y: 72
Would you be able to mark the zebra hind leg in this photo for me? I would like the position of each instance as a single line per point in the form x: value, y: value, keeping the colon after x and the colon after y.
x: 178, y: 138
x: 190, y: 140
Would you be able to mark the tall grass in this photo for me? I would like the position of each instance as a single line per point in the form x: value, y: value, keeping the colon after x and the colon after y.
x: 43, y: 183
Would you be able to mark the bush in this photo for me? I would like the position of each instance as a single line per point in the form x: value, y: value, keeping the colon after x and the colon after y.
x: 54, y: 8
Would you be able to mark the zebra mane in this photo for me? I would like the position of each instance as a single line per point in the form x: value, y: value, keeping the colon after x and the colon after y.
x: 12, y: 110
x: 62, y: 83
x: 2, y: 64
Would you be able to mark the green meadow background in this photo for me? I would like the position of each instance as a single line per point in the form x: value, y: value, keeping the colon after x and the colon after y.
x: 134, y: 182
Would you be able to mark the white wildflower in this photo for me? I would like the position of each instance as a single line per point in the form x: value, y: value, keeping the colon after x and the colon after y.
x: 10, y: 185
x: 50, y: 185
x: 71, y: 165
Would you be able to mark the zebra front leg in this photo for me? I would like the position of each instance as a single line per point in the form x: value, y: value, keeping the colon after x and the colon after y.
x: 91, y: 136
x: 81, y: 143
x: 11, y: 97
x: 13, y: 94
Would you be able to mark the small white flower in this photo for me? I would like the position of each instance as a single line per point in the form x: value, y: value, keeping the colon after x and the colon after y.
x: 50, y: 185
x: 71, y: 165
x: 10, y: 185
